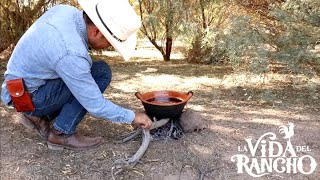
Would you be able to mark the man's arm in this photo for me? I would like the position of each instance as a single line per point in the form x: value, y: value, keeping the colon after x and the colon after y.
x: 76, y: 74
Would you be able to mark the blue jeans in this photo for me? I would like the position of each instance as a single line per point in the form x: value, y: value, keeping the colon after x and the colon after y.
x: 55, y: 101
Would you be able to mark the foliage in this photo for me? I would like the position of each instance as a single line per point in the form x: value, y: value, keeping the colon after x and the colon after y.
x: 17, y: 16
x: 257, y: 35
x: 161, y: 21
x: 285, y: 35
x: 202, y: 30
x: 299, y: 24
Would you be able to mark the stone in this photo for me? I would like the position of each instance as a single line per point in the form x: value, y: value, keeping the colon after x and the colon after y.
x: 191, y: 121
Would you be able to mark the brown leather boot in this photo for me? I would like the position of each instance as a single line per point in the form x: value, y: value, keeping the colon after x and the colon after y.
x: 58, y: 141
x: 40, y: 125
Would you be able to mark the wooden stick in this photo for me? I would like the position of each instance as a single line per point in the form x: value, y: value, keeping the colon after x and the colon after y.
x: 131, y: 136
x: 155, y: 125
x: 129, y: 164
x: 143, y: 148
x: 146, y: 137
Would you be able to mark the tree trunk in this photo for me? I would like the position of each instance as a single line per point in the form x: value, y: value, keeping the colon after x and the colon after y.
x: 168, y: 49
x: 168, y: 26
x: 204, y: 19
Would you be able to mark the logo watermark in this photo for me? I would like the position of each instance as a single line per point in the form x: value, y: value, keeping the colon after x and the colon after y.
x: 273, y: 156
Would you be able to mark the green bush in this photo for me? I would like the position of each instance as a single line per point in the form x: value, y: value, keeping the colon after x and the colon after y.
x: 287, y: 36
x: 18, y: 15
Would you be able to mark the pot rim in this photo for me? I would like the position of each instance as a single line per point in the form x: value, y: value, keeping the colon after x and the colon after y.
x: 187, y: 97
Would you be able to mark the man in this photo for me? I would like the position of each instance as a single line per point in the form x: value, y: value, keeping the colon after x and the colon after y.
x: 53, y: 61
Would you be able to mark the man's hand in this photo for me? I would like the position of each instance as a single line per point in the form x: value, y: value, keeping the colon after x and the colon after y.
x: 142, y: 120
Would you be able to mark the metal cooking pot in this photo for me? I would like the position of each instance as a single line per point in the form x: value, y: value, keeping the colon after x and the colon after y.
x: 164, y: 104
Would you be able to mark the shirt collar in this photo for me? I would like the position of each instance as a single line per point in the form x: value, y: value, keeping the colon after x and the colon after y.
x: 82, y: 28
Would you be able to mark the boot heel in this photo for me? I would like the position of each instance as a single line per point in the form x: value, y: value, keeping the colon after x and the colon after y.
x: 54, y: 147
x: 26, y: 122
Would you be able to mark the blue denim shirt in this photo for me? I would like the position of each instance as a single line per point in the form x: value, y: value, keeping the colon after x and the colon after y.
x: 56, y: 46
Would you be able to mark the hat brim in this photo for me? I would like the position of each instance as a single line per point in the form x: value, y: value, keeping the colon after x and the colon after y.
x: 125, y: 49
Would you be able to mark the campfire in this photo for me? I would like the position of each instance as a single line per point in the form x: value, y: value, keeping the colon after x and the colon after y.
x: 171, y: 129
x: 169, y: 121
x: 162, y: 105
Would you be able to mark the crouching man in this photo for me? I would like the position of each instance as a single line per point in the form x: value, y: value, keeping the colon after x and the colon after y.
x: 51, y: 76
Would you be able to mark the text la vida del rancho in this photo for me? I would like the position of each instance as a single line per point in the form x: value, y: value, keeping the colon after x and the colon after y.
x: 274, y: 156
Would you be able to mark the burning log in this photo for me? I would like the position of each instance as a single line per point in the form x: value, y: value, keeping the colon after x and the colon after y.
x: 129, y: 164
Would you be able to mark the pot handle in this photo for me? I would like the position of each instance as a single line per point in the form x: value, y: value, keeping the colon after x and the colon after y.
x: 189, y: 95
x: 138, y: 95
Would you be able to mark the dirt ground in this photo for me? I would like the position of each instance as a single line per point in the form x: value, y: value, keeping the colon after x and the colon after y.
x: 237, y: 106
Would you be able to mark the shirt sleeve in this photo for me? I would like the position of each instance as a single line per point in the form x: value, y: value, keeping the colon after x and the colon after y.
x: 76, y: 74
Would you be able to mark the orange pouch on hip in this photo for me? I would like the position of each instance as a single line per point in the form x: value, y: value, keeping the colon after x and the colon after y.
x: 20, y: 97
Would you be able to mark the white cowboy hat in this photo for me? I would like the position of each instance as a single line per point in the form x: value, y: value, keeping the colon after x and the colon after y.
x: 117, y: 21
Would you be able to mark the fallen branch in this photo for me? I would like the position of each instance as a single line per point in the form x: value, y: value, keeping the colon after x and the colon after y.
x: 122, y: 165
x: 133, y: 134
x: 146, y: 137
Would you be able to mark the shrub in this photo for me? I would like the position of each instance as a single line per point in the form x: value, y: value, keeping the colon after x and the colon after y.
x: 286, y: 36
